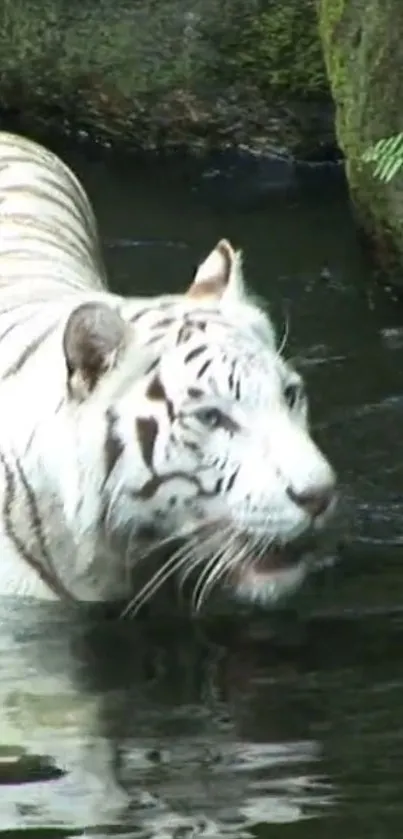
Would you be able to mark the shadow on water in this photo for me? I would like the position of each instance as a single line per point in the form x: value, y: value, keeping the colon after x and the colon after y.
x: 234, y: 728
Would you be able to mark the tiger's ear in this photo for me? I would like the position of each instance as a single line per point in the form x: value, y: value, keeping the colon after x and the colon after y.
x: 220, y: 276
x: 93, y: 335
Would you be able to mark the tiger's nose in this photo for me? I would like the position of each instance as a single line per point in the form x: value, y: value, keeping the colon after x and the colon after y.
x: 315, y: 501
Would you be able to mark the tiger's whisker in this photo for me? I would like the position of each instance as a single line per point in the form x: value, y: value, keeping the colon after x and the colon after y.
x: 213, y: 571
x: 171, y: 566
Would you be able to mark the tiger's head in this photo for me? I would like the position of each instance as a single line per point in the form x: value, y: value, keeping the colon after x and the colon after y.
x: 206, y: 435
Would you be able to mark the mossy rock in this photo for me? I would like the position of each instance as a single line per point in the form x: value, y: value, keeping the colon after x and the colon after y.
x: 168, y: 73
x: 364, y: 57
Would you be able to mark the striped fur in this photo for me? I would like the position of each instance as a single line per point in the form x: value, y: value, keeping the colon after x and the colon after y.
x: 131, y: 424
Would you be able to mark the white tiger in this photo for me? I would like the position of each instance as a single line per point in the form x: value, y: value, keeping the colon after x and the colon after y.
x: 128, y: 424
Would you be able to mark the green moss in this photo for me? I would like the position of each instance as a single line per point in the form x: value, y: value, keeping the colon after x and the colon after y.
x: 330, y: 18
x: 278, y: 50
x: 157, y: 73
x: 364, y: 59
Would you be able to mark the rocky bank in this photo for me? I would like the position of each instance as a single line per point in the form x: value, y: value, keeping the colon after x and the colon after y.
x: 168, y: 74
x: 363, y: 51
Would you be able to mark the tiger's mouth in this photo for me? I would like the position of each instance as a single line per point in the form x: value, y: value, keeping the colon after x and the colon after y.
x: 277, y: 560
x: 278, y: 572
x: 281, y: 557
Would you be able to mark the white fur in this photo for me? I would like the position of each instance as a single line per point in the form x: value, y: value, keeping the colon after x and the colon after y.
x: 93, y: 528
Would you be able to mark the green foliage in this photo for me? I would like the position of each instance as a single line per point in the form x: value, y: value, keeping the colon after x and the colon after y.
x: 278, y: 49
x: 387, y: 154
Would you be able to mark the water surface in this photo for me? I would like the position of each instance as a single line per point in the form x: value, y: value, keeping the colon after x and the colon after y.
x: 233, y: 729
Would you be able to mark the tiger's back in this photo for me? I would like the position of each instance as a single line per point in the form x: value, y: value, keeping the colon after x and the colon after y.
x: 49, y: 253
x: 46, y: 223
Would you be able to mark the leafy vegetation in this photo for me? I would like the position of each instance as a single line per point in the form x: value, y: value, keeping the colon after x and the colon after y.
x: 387, y: 155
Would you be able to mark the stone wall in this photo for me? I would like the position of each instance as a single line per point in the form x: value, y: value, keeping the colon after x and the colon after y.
x: 168, y: 73
x: 364, y: 57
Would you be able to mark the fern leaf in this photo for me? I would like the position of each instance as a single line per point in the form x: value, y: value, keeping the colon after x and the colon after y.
x: 387, y: 155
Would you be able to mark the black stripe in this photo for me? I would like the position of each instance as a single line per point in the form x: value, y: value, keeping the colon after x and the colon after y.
x: 29, y: 350
x: 32, y: 224
x: 145, y: 310
x: 49, y: 162
x: 203, y: 368
x: 147, y: 430
x: 157, y: 393
x: 75, y: 282
x: 113, y: 446
x: 77, y: 198
x: 48, y: 577
x: 35, y: 190
x: 194, y: 353
x: 24, y: 253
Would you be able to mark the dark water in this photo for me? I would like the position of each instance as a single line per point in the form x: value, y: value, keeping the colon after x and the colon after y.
x: 231, y: 728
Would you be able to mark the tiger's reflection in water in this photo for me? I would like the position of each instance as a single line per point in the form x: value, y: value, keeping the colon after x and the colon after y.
x: 156, y: 727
